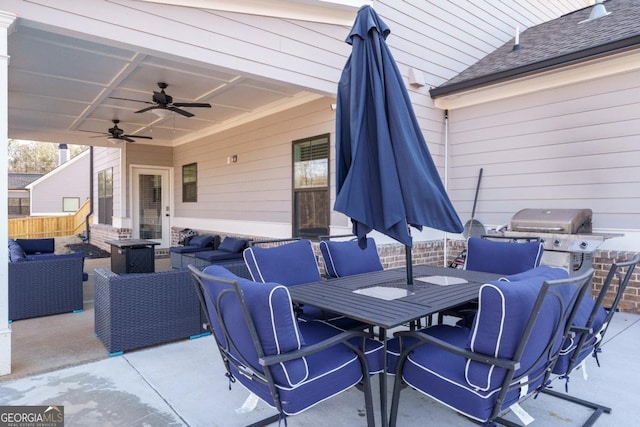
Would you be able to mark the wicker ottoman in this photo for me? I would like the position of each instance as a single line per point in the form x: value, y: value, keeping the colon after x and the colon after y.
x: 140, y: 310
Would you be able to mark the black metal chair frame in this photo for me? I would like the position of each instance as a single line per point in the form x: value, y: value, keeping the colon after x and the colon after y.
x: 615, y: 272
x: 266, y: 362
x: 511, y: 381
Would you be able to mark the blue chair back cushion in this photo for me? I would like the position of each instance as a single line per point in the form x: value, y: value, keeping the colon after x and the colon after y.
x: 347, y: 258
x: 502, y: 257
x: 303, y: 382
x: 544, y: 271
x: 570, y: 345
x: 290, y: 264
x: 503, y: 311
x: 270, y: 307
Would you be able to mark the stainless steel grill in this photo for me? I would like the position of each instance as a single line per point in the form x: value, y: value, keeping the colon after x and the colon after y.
x: 565, y: 233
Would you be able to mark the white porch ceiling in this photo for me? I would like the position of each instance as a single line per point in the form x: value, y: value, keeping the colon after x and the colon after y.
x: 60, y: 89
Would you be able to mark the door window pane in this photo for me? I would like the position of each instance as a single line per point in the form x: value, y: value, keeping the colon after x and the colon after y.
x: 150, y: 206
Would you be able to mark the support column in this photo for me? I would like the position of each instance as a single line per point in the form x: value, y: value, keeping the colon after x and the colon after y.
x: 7, y: 22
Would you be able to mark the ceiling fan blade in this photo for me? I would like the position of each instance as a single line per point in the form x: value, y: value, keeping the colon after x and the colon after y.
x: 144, y: 110
x: 192, y: 104
x: 179, y: 111
x: 102, y: 135
x: 134, y: 100
x: 125, y: 138
x: 137, y: 136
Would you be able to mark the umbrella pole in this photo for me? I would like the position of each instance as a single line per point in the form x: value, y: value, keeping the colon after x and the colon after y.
x: 407, y: 250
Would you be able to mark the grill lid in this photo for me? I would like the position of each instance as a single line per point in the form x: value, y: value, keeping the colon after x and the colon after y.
x: 561, y: 221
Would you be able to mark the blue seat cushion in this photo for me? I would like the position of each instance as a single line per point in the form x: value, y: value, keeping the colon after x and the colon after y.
x: 502, y: 257
x: 290, y: 264
x: 218, y: 255
x: 347, y: 258
x: 231, y: 244
x: 189, y: 249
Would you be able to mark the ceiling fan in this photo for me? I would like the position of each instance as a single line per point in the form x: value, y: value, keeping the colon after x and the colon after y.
x: 116, y: 134
x: 164, y: 102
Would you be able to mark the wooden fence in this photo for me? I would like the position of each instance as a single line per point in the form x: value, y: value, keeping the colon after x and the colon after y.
x: 49, y: 226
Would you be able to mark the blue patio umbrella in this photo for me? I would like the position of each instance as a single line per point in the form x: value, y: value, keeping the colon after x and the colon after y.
x: 386, y: 179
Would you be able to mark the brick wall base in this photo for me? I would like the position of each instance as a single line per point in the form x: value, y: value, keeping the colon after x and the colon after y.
x: 430, y: 253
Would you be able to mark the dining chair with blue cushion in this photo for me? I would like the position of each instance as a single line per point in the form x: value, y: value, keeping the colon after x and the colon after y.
x: 506, y: 356
x: 593, y: 319
x: 493, y: 254
x: 346, y: 258
x: 288, y: 364
x: 502, y: 256
x: 291, y: 264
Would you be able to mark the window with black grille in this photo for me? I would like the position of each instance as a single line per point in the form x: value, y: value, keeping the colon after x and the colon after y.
x: 311, y: 187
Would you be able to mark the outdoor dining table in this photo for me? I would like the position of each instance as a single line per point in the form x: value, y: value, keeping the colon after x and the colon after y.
x: 383, y: 299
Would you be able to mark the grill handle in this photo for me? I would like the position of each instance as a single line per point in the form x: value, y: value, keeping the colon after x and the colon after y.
x: 540, y: 229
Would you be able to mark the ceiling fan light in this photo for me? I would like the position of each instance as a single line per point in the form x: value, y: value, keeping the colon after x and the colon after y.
x: 161, y: 112
x: 114, y: 140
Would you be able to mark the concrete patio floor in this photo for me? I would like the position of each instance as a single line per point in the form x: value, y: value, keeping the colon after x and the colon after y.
x: 183, y: 384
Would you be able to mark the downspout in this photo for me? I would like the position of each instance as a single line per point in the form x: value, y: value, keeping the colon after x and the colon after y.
x: 446, y: 174
x: 86, y: 219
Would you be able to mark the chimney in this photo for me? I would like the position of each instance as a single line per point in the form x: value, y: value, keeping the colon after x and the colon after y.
x: 63, y: 154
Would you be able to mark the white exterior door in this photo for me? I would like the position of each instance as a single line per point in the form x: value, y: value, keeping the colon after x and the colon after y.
x: 151, y: 205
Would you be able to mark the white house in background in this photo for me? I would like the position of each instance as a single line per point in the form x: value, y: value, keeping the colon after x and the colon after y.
x: 63, y: 190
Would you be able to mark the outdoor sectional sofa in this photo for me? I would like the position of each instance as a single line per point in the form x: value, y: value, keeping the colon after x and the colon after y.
x: 198, y: 243
x: 228, y: 252
x: 41, y: 282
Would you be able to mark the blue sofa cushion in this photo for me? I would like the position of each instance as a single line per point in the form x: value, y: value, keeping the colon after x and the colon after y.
x: 37, y: 246
x: 231, y: 244
x: 347, y: 258
x: 502, y: 257
x: 16, y: 253
x: 189, y: 249
x: 290, y: 264
x: 201, y: 241
x: 218, y: 255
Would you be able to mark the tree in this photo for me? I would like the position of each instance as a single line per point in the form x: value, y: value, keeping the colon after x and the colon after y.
x: 36, y: 157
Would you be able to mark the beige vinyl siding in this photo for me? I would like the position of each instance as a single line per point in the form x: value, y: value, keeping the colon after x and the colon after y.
x: 259, y: 186
x: 570, y: 147
x: 68, y: 180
